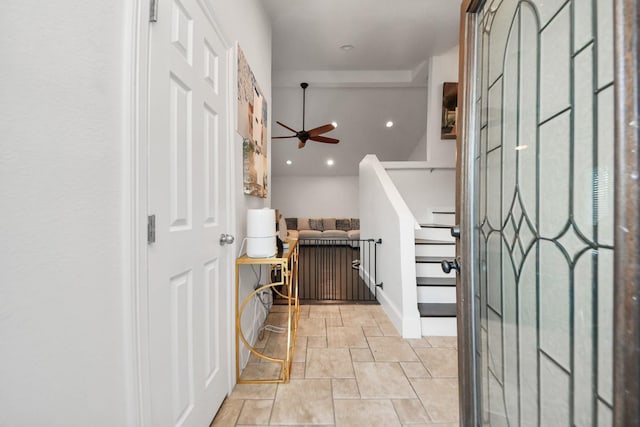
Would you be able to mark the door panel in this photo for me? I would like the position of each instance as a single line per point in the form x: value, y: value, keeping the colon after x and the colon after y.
x: 188, y: 286
x: 542, y: 146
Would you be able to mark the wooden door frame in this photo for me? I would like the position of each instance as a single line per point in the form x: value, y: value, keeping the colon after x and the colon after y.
x: 135, y: 209
x: 626, y: 325
x: 626, y: 351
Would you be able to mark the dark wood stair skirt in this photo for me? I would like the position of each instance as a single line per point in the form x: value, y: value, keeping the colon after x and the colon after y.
x: 435, y: 226
x: 432, y: 309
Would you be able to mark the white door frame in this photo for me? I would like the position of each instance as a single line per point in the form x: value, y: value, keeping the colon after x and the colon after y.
x: 134, y: 231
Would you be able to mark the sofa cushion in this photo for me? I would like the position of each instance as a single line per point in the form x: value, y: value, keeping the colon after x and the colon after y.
x: 355, y: 223
x: 292, y: 223
x: 309, y: 234
x: 329, y: 224
x: 315, y: 224
x: 353, y: 234
x: 303, y: 224
x: 334, y: 234
x: 343, y: 224
x: 292, y: 234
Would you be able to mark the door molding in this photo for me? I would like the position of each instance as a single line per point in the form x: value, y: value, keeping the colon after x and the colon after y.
x: 135, y: 206
x: 465, y: 172
x: 626, y: 344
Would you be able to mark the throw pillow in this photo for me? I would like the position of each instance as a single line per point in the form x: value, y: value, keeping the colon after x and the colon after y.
x: 343, y: 224
x: 303, y: 224
x: 292, y: 223
x: 282, y: 229
x: 328, y: 223
x: 355, y: 223
x: 315, y: 224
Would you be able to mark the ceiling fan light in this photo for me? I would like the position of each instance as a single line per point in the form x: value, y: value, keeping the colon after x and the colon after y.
x: 389, y: 124
x: 330, y: 162
x: 347, y: 47
x: 288, y: 162
x: 335, y: 124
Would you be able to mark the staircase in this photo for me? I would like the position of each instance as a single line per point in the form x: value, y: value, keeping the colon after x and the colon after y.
x: 436, y: 289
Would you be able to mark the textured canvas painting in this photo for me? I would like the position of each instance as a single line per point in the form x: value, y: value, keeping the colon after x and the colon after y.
x: 252, y: 126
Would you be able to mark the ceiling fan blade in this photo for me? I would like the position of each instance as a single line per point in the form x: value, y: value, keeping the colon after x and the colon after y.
x: 285, y: 126
x: 324, y: 139
x: 301, y: 144
x: 282, y: 137
x: 321, y: 129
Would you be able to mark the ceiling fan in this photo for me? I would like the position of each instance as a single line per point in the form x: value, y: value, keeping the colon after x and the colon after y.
x: 314, y: 134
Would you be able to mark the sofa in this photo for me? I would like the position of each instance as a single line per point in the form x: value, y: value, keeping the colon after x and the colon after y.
x: 316, y: 230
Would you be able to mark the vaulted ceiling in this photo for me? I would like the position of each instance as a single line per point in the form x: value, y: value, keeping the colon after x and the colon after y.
x: 383, y: 77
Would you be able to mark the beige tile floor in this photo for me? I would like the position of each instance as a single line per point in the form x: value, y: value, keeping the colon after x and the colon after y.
x: 351, y: 368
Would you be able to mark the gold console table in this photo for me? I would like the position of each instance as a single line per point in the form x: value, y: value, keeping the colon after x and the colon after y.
x: 287, y: 288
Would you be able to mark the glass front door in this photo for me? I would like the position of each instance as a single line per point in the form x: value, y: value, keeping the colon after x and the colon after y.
x: 543, y: 211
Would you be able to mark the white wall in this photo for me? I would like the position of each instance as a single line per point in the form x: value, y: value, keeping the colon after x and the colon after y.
x: 316, y: 196
x: 62, y: 272
x: 424, y: 189
x: 66, y: 280
x: 235, y: 17
x: 384, y: 215
x: 444, y: 68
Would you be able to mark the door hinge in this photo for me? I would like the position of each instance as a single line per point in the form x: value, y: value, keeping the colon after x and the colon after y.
x: 151, y: 229
x: 153, y: 11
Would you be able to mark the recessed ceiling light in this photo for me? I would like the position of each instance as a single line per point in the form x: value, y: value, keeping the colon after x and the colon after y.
x: 346, y: 47
x: 335, y: 124
x: 389, y: 123
x: 330, y: 162
x: 289, y: 162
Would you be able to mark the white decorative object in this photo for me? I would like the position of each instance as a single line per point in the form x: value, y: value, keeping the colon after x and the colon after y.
x: 261, y: 233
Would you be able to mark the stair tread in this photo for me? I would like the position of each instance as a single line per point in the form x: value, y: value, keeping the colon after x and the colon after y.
x: 435, y: 226
x: 444, y: 212
x: 432, y: 309
x: 436, y: 281
x: 433, y: 242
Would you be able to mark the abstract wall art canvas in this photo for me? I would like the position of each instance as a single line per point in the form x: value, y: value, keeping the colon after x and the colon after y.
x: 252, y: 126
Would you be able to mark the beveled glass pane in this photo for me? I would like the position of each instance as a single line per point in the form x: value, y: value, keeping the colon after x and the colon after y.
x: 554, y: 179
x: 583, y: 340
x: 582, y: 33
x: 604, y: 42
x: 494, y: 125
x: 554, y: 395
x: 583, y: 173
x: 498, y: 37
x: 528, y: 340
x: 548, y: 8
x: 510, y: 117
x: 494, y: 346
x: 555, y: 66
x: 497, y: 416
x: 605, y: 415
x: 605, y: 325
x: 603, y: 185
x: 494, y: 285
x: 510, y: 335
x: 494, y: 186
x: 528, y: 126
x: 554, y: 304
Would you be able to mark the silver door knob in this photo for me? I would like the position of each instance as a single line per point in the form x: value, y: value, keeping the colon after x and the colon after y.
x: 226, y: 239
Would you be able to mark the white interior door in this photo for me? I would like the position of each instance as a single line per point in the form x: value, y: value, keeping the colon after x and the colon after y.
x: 188, y: 283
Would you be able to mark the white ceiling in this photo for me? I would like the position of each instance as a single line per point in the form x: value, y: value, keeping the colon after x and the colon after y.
x: 382, y: 78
